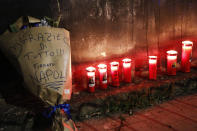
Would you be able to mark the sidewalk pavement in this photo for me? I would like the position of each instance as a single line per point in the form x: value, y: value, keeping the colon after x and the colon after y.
x: 176, y: 115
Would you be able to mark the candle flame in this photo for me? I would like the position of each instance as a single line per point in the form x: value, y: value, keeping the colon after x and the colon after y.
x: 187, y: 44
x: 102, y: 66
x: 114, y: 63
x: 172, y: 52
x: 152, y: 57
x: 90, y: 69
x: 126, y: 60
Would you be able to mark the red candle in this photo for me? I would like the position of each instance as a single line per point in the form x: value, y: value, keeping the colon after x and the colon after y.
x: 152, y: 67
x: 127, y: 69
x: 91, y: 79
x: 114, y: 73
x: 171, y: 62
x: 186, y: 55
x: 102, y: 76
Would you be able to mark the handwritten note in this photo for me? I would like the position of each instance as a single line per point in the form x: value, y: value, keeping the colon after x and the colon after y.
x: 43, y: 54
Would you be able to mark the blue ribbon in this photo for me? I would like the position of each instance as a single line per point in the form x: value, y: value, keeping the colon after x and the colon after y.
x: 65, y: 107
x: 159, y: 3
x: 24, y: 27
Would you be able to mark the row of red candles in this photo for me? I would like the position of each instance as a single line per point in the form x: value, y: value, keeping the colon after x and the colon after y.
x: 171, y: 68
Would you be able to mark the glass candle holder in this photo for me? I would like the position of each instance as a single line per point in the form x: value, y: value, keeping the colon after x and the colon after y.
x: 102, y: 68
x: 171, y: 62
x: 91, y: 78
x: 186, y: 55
x: 152, y: 67
x: 127, y: 70
x: 114, y: 73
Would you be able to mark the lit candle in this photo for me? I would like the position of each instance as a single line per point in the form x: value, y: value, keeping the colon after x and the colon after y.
x: 127, y: 69
x: 171, y: 62
x: 102, y: 76
x: 91, y: 78
x: 186, y: 55
x: 152, y: 67
x: 114, y: 73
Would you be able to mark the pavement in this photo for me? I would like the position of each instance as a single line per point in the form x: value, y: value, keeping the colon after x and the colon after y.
x: 179, y: 114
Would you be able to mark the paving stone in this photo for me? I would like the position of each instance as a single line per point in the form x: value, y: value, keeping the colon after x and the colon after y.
x: 191, y: 100
x: 162, y: 118
x: 15, y: 118
x: 152, y: 119
x: 182, y: 110
x: 185, y: 125
x: 147, y: 125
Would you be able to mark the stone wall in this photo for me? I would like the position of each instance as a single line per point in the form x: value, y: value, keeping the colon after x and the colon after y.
x: 106, y: 30
x: 101, y: 29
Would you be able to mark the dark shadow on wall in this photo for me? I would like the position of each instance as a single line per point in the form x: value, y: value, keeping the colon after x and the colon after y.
x: 11, y: 10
